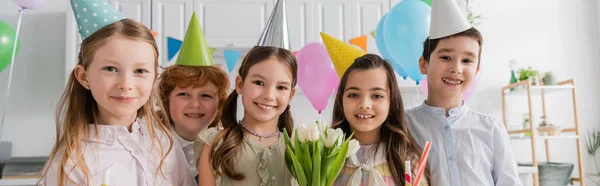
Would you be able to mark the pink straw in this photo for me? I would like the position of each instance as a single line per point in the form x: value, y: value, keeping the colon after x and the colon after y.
x: 422, y: 163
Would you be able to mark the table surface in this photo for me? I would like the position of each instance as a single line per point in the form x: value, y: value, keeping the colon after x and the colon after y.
x: 18, y: 182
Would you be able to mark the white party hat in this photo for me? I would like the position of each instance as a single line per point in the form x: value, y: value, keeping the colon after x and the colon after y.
x: 446, y: 19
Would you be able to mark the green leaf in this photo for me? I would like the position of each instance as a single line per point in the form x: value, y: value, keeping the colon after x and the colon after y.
x: 316, y: 163
x: 325, y: 167
x: 286, y: 138
x: 348, y: 139
x: 337, y: 164
x: 307, y: 159
x: 298, y: 146
x: 300, y: 176
x: 334, y: 151
x: 299, y: 152
x: 593, y: 142
x: 289, y: 163
x: 326, y: 161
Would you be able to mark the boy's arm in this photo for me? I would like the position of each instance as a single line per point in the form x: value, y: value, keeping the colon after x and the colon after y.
x: 504, y: 171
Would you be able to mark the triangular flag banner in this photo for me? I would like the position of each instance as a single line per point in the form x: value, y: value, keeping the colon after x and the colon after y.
x: 194, y: 49
x: 231, y: 57
x: 154, y: 33
x: 360, y: 41
x: 446, y: 19
x: 212, y: 50
x: 342, y: 54
x: 295, y: 52
x: 373, y: 33
x: 173, y: 46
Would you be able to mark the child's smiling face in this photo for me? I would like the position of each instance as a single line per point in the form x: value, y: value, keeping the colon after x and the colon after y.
x: 366, y: 100
x: 452, y: 67
x: 267, y: 90
x: 193, y: 109
x: 120, y: 77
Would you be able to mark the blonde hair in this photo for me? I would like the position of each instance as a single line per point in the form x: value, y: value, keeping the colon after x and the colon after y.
x: 194, y: 76
x: 77, y: 108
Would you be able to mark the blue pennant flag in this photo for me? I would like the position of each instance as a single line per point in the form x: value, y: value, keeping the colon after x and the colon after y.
x: 173, y: 47
x: 231, y: 57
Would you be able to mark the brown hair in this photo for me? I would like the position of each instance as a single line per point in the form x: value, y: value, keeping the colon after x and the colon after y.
x: 77, y: 108
x: 224, y: 157
x: 195, y: 76
x: 430, y: 44
x: 399, y: 144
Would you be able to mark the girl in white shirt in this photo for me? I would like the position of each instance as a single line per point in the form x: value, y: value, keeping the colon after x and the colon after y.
x: 108, y: 131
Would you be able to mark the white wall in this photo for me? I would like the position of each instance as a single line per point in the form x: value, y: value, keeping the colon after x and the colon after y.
x: 37, y: 77
x: 556, y: 35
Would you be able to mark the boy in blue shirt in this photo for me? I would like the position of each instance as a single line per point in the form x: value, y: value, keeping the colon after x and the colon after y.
x: 467, y: 147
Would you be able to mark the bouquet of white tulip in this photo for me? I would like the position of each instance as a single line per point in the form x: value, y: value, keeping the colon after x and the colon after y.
x: 316, y: 154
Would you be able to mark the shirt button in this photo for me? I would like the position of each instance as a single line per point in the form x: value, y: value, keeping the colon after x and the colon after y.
x: 270, y: 154
x: 192, y: 162
x: 273, y: 177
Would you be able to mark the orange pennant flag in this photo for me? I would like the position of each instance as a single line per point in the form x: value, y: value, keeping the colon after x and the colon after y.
x: 154, y: 33
x: 360, y: 41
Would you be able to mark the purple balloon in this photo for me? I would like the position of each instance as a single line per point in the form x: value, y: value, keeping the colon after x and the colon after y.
x: 316, y: 74
x: 30, y: 4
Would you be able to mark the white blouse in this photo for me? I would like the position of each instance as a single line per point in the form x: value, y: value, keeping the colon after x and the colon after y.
x: 127, y: 159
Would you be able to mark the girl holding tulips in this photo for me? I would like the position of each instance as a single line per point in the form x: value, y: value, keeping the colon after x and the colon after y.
x: 251, y: 151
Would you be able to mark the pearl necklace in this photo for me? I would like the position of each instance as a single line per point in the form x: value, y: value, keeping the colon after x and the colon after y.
x: 261, y: 137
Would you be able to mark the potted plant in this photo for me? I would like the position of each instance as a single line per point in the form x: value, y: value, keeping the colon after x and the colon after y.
x: 475, y: 20
x: 549, y: 78
x: 528, y: 73
x: 593, y: 145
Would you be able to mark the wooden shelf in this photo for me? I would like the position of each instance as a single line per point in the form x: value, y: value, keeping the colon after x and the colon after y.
x: 565, y: 130
x: 522, y: 169
x: 565, y: 137
x: 537, y: 90
x: 524, y: 88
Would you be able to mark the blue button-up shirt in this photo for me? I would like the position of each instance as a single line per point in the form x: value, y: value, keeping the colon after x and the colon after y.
x: 467, y: 148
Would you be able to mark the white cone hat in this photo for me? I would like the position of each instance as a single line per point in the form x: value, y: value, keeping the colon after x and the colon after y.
x: 446, y: 19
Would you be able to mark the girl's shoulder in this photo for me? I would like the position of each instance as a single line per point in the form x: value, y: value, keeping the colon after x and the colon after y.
x: 209, y: 135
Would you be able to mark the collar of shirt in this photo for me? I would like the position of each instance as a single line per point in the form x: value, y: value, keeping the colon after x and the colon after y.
x: 184, y: 143
x: 371, y: 161
x: 107, y: 134
x: 435, y: 112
